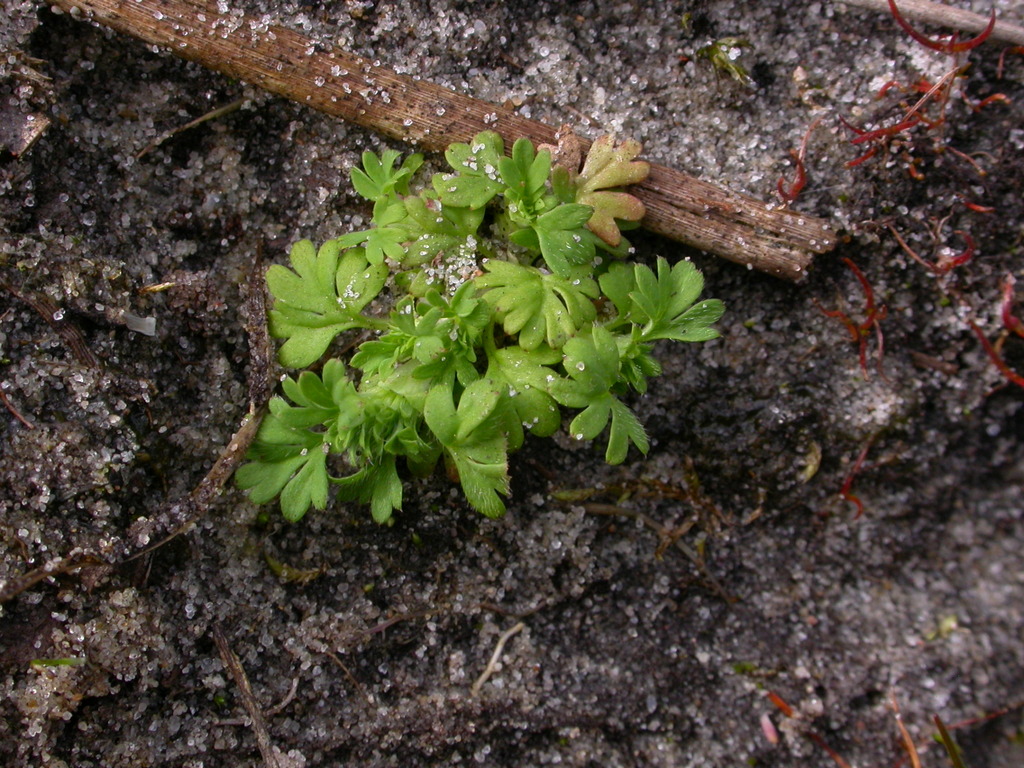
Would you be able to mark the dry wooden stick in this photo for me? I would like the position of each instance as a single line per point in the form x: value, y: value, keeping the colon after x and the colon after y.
x: 947, y: 16
x: 737, y: 227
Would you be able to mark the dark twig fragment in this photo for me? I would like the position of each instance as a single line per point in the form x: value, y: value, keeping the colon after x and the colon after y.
x: 54, y: 317
x: 252, y: 706
x: 666, y: 535
x: 213, y: 114
x: 261, y: 350
x: 16, y: 586
x: 846, y: 491
x: 997, y: 359
x: 14, y: 411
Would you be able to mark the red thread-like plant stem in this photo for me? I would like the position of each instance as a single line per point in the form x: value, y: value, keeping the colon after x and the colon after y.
x: 953, y: 44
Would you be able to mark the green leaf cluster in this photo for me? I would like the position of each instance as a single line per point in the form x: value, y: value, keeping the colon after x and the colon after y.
x: 484, y: 312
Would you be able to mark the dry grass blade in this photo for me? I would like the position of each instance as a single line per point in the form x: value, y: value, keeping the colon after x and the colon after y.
x: 908, y: 741
x: 17, y: 585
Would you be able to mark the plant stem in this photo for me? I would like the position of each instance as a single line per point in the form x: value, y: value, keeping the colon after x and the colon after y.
x: 946, y: 16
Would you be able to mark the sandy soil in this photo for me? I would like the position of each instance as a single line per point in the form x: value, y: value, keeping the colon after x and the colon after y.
x: 627, y: 655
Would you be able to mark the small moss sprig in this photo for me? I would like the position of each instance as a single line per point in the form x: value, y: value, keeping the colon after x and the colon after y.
x: 495, y: 297
x: 724, y: 56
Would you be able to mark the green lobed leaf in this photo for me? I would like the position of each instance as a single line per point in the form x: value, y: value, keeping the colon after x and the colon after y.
x: 612, y: 165
x: 617, y: 284
x: 474, y: 447
x: 441, y: 232
x: 287, y: 458
x: 693, y: 325
x: 423, y: 392
x: 664, y: 303
x: 377, y: 485
x: 562, y: 239
x: 626, y: 428
x: 392, y: 229
x: 591, y: 422
x: 563, y: 250
x: 307, y: 487
x: 592, y: 364
x: 608, y: 166
x: 610, y: 208
x: 592, y: 367
x: 525, y: 175
x: 439, y: 334
x: 525, y: 377
x: 476, y: 403
x: 321, y: 298
x: 567, y: 216
x: 379, y: 179
x: 538, y: 307
x: 264, y: 480
x: 476, y: 179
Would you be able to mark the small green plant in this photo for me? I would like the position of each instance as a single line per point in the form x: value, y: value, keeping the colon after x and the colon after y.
x: 724, y: 56
x: 494, y: 297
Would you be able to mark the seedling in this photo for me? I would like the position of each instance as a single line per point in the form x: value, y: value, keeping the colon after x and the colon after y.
x: 1012, y: 326
x: 951, y: 45
x: 1011, y: 322
x: 906, y: 741
x: 1017, y: 49
x: 496, y: 297
x: 788, y: 711
x: 997, y: 359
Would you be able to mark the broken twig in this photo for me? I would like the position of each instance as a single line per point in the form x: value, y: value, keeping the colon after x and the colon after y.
x: 69, y: 333
x: 14, y: 587
x: 736, y: 227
